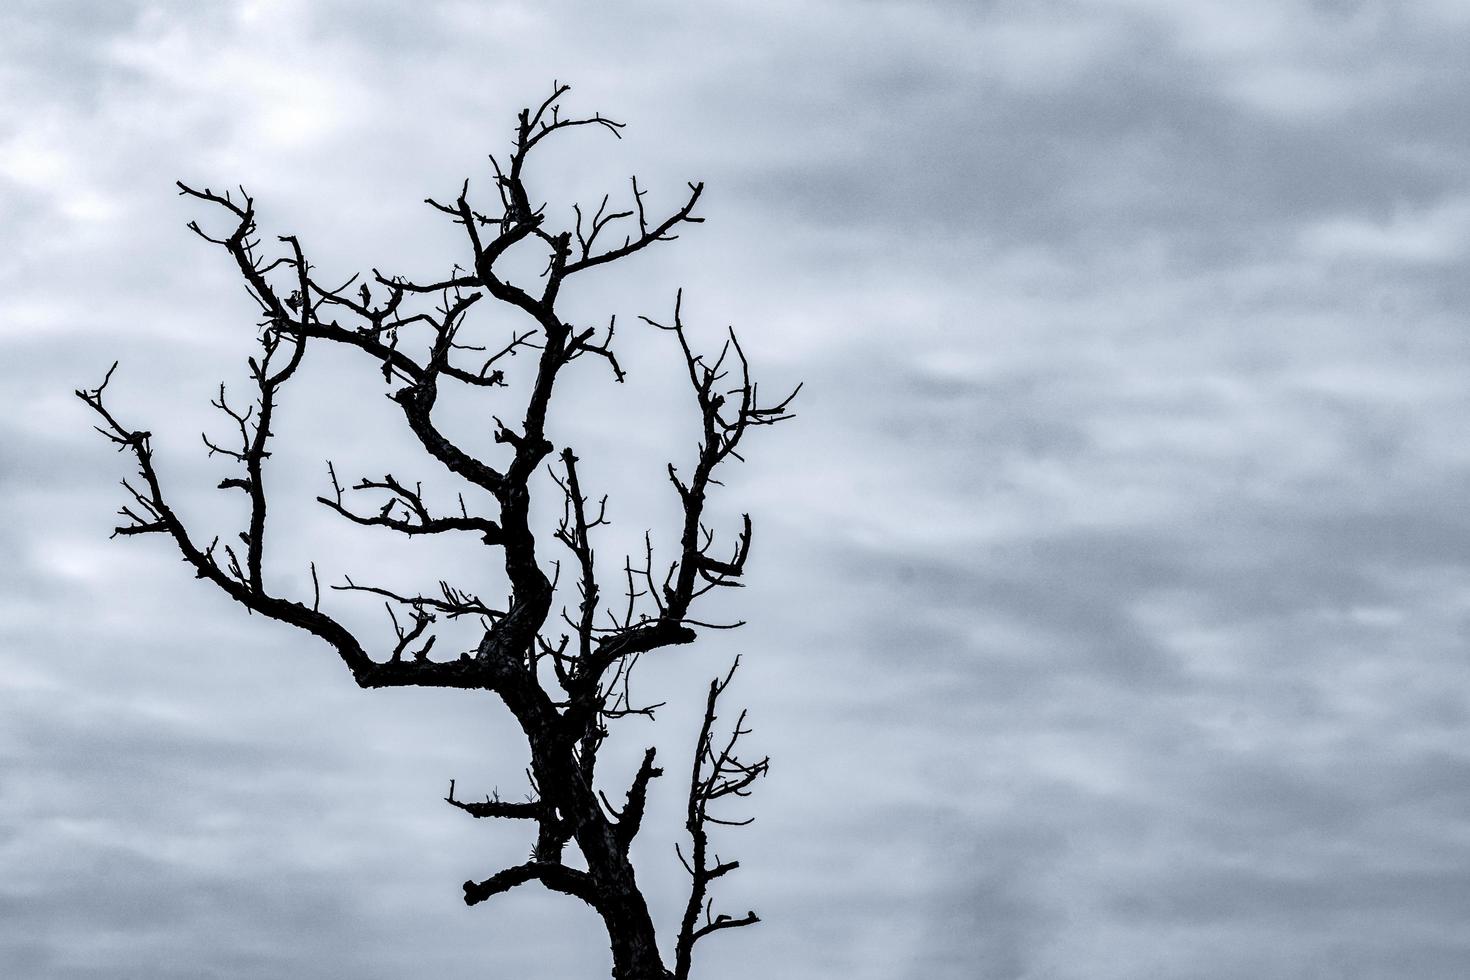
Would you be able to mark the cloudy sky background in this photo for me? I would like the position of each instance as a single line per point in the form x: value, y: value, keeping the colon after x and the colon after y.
x: 1109, y: 600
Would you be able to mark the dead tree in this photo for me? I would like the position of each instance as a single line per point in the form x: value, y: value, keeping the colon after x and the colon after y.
x: 566, y: 691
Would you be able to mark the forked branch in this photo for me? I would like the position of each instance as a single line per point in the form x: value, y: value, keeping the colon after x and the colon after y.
x: 151, y: 513
x: 718, y: 772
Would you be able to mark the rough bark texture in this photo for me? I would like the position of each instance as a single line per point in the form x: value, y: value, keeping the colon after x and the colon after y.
x: 565, y: 691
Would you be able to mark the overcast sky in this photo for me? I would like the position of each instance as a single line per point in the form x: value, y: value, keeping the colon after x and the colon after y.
x: 1109, y: 600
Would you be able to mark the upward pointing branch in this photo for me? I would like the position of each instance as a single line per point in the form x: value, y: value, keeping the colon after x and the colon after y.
x: 716, y: 774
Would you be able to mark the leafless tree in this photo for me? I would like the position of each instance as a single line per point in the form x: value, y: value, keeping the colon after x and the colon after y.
x: 566, y: 691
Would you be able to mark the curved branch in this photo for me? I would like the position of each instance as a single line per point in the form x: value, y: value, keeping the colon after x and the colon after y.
x: 416, y: 519
x: 245, y: 588
x: 659, y: 233
x: 556, y: 877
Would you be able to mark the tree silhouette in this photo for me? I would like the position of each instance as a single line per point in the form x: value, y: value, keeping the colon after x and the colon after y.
x: 564, y: 691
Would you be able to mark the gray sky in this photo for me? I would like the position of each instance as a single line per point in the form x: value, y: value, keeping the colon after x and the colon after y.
x: 1109, y: 599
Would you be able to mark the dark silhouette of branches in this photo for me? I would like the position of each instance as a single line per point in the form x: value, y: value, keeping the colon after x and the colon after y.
x: 718, y: 772
x: 566, y: 691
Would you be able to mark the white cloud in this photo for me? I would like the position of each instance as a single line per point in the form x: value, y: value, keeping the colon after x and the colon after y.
x: 1438, y: 235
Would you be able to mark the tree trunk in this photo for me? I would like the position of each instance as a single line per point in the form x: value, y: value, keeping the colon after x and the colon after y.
x: 630, y: 929
x: 634, y: 950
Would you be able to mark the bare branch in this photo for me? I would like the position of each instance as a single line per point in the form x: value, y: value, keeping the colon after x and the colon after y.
x: 632, y: 818
x: 659, y: 233
x: 494, y: 806
x: 556, y: 877
x: 405, y: 511
x: 453, y: 602
x: 240, y: 585
x: 715, y: 774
